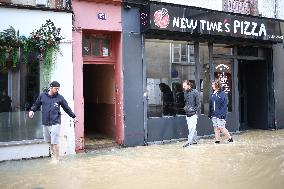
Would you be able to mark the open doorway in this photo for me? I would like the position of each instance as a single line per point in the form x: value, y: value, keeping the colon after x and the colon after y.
x: 99, y: 106
x: 255, y: 94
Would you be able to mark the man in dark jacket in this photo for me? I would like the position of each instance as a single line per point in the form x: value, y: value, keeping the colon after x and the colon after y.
x: 192, y: 105
x: 51, y: 116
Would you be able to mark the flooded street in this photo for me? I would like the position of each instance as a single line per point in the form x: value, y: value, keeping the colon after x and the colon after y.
x: 254, y: 160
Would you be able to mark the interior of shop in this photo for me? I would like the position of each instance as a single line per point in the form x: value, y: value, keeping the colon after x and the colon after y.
x: 166, y: 74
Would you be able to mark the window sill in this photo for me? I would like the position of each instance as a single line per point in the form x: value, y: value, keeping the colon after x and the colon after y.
x: 184, y: 64
x: 98, y: 60
x: 22, y: 142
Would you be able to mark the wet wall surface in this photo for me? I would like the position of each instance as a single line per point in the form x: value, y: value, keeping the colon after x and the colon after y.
x: 278, y: 53
x: 132, y: 78
x: 254, y: 160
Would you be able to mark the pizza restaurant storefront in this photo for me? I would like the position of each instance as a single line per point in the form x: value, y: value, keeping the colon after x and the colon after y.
x: 244, y: 52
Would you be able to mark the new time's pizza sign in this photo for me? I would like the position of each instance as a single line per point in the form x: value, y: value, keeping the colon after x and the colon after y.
x: 201, y: 21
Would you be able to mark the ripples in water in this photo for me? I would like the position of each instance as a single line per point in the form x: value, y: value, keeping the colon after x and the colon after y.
x: 254, y: 160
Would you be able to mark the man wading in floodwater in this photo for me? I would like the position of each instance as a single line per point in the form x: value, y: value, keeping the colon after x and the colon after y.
x: 51, y: 116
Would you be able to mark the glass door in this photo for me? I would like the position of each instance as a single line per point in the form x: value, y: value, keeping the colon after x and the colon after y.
x: 223, y: 69
x: 223, y: 72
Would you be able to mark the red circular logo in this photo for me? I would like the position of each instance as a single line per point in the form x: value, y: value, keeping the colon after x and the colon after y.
x: 162, y: 18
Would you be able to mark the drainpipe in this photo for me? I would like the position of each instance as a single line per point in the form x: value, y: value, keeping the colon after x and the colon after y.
x: 275, y: 8
x: 145, y: 93
x: 275, y: 100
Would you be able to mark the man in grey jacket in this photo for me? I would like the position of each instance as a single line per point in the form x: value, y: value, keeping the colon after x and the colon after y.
x: 192, y: 105
x: 51, y: 116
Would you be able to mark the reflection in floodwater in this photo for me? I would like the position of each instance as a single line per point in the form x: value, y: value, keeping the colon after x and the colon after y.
x: 254, y: 160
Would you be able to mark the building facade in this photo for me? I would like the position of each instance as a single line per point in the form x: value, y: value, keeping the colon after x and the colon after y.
x: 98, y: 70
x: 238, y: 42
x: 22, y: 80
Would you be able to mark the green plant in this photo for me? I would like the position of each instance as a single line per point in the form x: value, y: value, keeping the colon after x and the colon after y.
x: 46, y: 42
x: 10, y: 42
x: 46, y: 37
x: 43, y: 41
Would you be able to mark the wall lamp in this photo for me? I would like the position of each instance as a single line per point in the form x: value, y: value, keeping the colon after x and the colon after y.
x: 127, y: 6
x: 134, y: 33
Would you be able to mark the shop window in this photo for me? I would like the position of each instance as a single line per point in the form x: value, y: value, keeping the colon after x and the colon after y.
x: 86, y: 45
x: 222, y: 49
x: 248, y: 51
x: 182, y: 53
x: 96, y: 46
x: 19, y: 89
x: 165, y: 75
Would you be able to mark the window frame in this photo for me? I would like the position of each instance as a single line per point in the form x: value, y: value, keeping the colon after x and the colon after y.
x: 189, y: 53
x: 101, y: 35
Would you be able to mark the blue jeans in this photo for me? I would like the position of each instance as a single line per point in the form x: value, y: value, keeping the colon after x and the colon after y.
x: 191, y: 124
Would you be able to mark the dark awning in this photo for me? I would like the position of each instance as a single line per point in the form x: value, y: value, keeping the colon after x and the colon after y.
x: 172, y: 20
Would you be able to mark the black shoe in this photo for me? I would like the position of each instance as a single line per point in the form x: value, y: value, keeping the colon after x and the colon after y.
x: 217, y: 142
x: 186, y: 145
x: 231, y: 140
x: 194, y: 143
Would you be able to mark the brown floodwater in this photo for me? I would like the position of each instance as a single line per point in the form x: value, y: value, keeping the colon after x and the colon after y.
x: 254, y: 160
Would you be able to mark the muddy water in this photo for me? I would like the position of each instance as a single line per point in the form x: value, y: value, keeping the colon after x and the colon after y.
x: 255, y: 160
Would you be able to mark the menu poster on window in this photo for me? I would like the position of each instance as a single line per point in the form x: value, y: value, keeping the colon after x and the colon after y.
x: 153, y: 90
x: 105, y: 51
x: 223, y: 73
x: 226, y: 80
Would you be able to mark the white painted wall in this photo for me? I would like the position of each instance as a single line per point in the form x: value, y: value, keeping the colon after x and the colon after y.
x: 209, y: 4
x: 28, y: 20
x: 266, y: 8
x: 48, y: 3
x: 24, y: 2
x: 63, y: 73
x: 280, y: 9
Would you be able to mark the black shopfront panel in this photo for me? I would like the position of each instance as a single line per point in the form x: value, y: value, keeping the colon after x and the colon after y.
x: 169, y: 21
